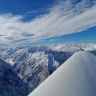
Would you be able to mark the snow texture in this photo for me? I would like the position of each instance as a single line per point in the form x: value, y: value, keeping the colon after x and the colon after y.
x: 76, y: 77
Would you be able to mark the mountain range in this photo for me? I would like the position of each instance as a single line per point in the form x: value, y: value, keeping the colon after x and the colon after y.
x: 25, y: 68
x: 76, y: 77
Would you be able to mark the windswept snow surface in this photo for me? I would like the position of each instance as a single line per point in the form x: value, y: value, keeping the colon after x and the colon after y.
x: 76, y: 77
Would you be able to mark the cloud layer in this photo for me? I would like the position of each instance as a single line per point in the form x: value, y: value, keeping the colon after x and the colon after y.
x: 66, y: 17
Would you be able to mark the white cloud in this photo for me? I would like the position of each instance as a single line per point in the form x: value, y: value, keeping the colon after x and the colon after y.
x: 52, y: 40
x: 63, y: 18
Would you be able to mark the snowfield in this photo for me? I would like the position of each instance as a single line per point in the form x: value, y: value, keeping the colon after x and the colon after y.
x: 76, y: 77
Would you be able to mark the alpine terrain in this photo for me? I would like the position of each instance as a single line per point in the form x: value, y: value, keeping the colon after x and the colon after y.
x: 76, y: 77
x: 24, y: 68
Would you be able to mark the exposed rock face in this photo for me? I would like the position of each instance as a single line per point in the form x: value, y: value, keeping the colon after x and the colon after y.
x: 10, y: 83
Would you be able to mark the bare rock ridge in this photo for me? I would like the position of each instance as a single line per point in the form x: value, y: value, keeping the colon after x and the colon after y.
x: 76, y: 77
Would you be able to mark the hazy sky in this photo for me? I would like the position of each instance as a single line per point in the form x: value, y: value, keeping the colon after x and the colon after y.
x: 45, y: 22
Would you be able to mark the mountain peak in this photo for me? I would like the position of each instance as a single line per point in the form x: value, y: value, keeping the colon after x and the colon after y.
x: 76, y: 77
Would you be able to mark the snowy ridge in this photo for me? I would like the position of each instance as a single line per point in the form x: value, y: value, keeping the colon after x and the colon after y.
x: 72, y: 47
x: 76, y: 77
x: 34, y: 64
x: 36, y: 68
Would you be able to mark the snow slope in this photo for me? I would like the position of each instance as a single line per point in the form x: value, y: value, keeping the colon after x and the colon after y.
x: 76, y: 77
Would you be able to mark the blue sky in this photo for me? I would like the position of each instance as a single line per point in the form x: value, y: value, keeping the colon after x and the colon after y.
x: 88, y: 35
x: 22, y: 6
x: 46, y: 22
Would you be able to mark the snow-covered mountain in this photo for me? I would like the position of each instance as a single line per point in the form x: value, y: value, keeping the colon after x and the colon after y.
x: 73, y: 47
x: 10, y: 82
x: 34, y: 64
x: 76, y: 77
x: 35, y: 68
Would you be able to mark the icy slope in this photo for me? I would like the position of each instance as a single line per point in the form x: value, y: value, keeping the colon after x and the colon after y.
x: 76, y: 77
